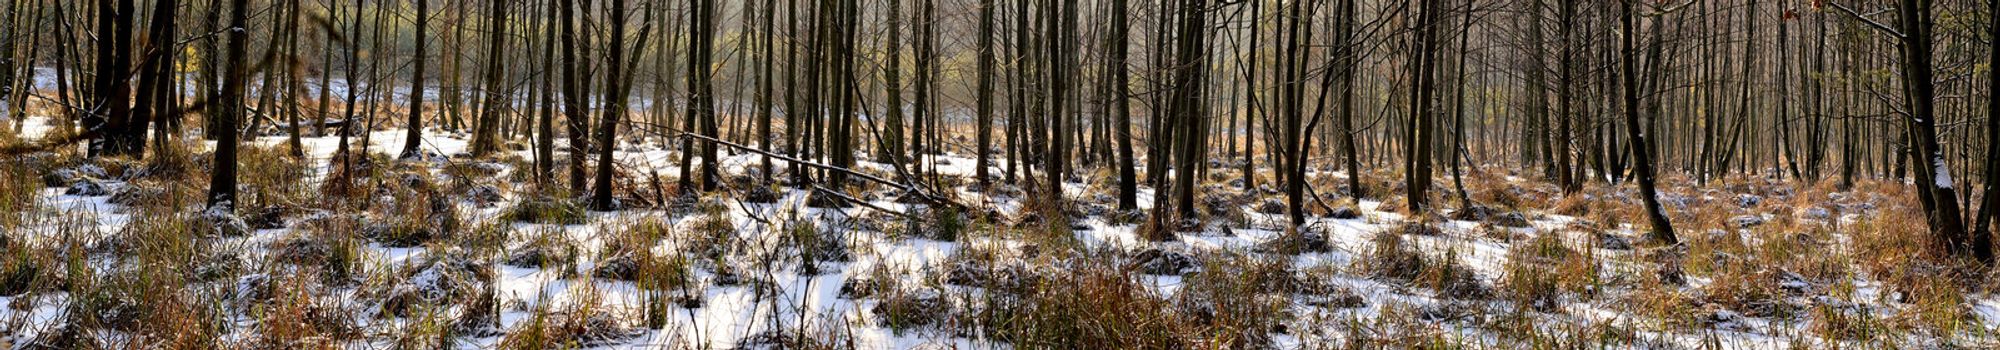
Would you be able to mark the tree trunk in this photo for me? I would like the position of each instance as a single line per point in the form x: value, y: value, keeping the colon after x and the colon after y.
x: 1420, y: 129
x: 153, y: 102
x: 222, y: 182
x: 110, y: 112
x: 1934, y: 179
x: 414, y: 140
x: 1642, y: 150
x: 574, y: 108
x: 614, y: 108
x: 486, y: 130
x: 1117, y: 96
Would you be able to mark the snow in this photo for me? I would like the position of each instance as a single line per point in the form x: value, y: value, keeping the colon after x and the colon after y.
x: 730, y: 315
x: 1943, y: 173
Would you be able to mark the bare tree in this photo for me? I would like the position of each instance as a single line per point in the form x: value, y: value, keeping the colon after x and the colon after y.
x: 222, y: 180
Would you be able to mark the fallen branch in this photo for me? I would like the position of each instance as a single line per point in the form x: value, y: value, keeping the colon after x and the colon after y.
x: 907, y: 188
x: 851, y: 199
x: 1314, y: 191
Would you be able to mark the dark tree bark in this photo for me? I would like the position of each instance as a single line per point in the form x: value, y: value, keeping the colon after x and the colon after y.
x: 923, y: 111
x: 1565, y: 98
x: 294, y: 86
x: 765, y: 87
x: 983, y: 114
x: 545, y: 139
x: 14, y: 36
x: 153, y: 103
x: 486, y: 130
x: 1186, y: 107
x: 795, y: 109
x: 222, y: 181
x: 1934, y: 181
x: 701, y: 93
x: 1254, y: 106
x: 1347, y: 48
x: 344, y: 170
x: 575, y: 111
x: 1535, y: 99
x: 1989, y: 208
x: 889, y: 149
x: 1642, y: 149
x: 413, y: 141
x: 1292, y: 139
x: 614, y: 108
x: 1117, y: 93
x: 326, y: 69
x: 840, y: 129
x: 110, y: 112
x: 1061, y: 47
x: 1420, y: 131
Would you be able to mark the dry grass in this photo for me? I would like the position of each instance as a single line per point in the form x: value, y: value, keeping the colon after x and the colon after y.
x: 1542, y: 272
x: 1818, y: 264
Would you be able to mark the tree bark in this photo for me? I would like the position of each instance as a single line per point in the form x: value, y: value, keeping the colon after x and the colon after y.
x: 222, y: 181
x: 414, y: 140
x: 1642, y: 150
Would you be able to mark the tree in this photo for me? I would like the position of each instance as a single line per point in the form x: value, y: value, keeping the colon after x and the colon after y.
x: 1420, y: 129
x: 614, y: 108
x: 889, y: 147
x: 1566, y: 96
x: 839, y: 139
x: 1913, y: 33
x: 765, y: 86
x: 222, y: 181
x: 574, y: 109
x: 1060, y: 22
x: 110, y: 113
x: 545, y: 138
x: 701, y: 91
x: 344, y: 171
x: 1642, y: 149
x: 294, y: 86
x: 414, y: 140
x: 1117, y: 91
x: 14, y: 36
x: 1347, y: 57
x: 153, y: 102
x: 1185, y: 108
x: 486, y: 129
x: 1934, y: 181
x: 925, y: 67
x: 1292, y: 141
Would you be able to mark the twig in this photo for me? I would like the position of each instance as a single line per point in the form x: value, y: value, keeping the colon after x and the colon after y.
x: 1865, y: 19
x: 907, y: 188
x: 844, y: 196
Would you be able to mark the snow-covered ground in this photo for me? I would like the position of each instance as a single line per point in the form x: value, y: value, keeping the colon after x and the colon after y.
x: 731, y: 315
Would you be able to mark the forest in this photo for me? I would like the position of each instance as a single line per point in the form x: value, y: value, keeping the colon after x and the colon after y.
x: 999, y: 174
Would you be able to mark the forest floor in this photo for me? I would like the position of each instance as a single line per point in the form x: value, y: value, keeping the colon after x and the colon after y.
x: 448, y: 250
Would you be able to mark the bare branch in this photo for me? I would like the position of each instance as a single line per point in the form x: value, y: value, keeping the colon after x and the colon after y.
x: 1865, y: 19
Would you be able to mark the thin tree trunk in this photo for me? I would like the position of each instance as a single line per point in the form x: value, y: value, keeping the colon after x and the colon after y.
x: 222, y: 182
x: 414, y: 140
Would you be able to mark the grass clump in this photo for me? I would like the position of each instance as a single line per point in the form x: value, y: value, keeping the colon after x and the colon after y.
x: 1541, y: 271
x: 545, y: 248
x: 294, y: 316
x: 19, y: 187
x: 903, y: 309
x: 1094, y: 307
x: 582, y: 323
x: 546, y: 211
x: 22, y: 269
x: 1394, y: 259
